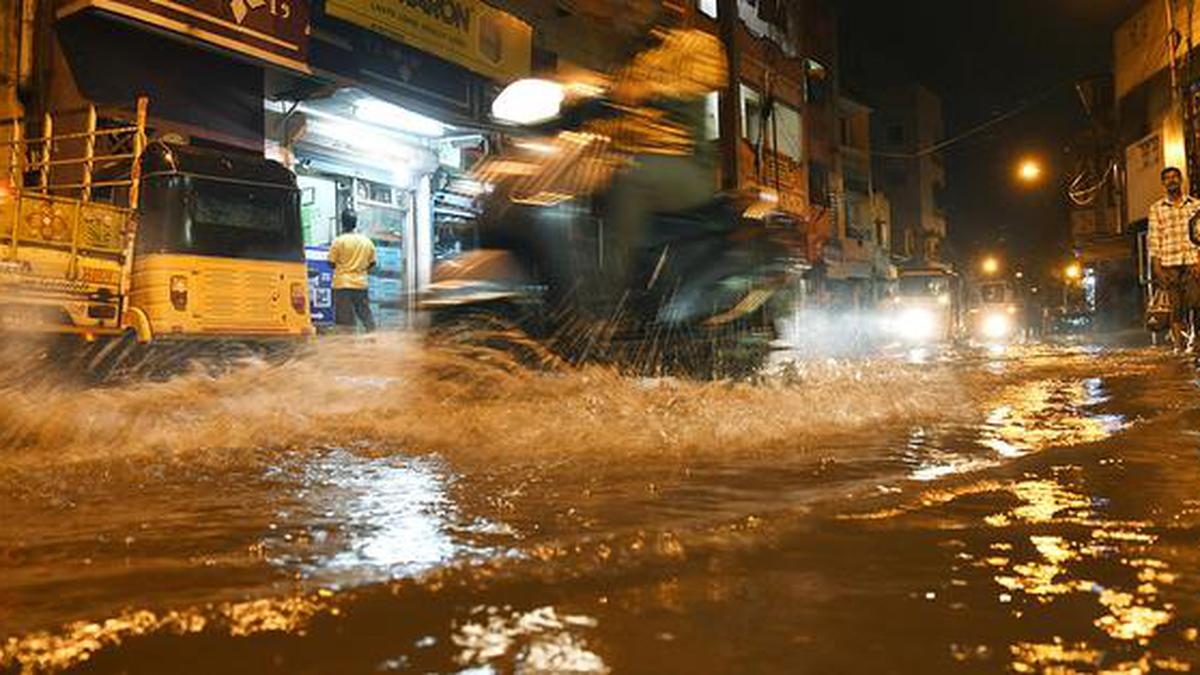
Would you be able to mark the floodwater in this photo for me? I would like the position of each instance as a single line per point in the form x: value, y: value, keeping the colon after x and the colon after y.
x: 382, y: 507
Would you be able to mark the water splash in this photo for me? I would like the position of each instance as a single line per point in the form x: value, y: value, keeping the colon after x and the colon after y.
x: 392, y: 389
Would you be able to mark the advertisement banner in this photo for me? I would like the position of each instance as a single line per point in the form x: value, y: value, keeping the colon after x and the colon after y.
x: 274, y: 31
x: 320, y: 285
x: 466, y: 32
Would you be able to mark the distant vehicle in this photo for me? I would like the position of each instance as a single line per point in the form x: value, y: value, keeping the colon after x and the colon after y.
x: 1069, y: 321
x: 995, y: 311
x: 925, y: 306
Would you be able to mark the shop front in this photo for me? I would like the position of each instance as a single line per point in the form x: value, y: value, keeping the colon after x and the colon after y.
x: 378, y: 107
x: 399, y: 172
x: 392, y: 134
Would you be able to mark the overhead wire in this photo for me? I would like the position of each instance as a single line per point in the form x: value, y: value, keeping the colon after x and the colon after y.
x: 983, y: 126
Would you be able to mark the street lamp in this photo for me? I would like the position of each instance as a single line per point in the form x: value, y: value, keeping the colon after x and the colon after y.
x: 1029, y: 171
x: 990, y: 265
x: 1073, y: 271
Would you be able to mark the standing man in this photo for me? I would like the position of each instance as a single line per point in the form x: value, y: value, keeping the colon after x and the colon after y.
x: 352, y: 256
x: 1173, y: 257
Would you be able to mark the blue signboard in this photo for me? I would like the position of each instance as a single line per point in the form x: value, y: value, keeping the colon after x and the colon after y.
x: 320, y: 285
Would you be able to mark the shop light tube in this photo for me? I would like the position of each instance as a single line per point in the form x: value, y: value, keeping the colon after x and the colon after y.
x: 375, y: 111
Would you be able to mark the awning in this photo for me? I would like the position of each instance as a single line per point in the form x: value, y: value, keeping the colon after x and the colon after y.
x: 191, y: 90
x: 267, y: 31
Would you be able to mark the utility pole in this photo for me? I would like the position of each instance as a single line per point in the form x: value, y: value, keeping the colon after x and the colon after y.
x: 730, y: 104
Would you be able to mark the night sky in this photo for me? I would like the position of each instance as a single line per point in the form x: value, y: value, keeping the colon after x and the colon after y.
x: 985, y: 58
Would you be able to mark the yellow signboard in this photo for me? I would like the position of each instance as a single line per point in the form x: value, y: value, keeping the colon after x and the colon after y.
x: 467, y: 32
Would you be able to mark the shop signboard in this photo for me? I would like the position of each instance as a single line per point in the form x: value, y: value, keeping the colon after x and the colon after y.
x: 274, y: 31
x: 469, y: 33
x: 320, y: 285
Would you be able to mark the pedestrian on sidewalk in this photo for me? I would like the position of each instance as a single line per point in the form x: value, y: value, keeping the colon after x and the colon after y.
x: 1173, y: 256
x: 352, y: 256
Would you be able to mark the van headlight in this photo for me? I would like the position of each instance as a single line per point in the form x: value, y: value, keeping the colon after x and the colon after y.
x: 996, y: 325
x: 529, y: 101
x: 916, y: 324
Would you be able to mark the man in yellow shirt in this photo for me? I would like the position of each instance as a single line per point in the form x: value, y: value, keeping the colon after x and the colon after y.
x: 352, y: 256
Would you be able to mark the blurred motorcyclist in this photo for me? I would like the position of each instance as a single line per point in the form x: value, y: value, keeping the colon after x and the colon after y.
x: 660, y: 96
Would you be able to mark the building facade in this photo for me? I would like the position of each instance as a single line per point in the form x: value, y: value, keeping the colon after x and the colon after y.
x: 864, y: 218
x: 1154, y: 101
x: 905, y: 128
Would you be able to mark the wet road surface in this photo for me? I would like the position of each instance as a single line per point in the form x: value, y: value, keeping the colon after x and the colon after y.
x: 378, y: 507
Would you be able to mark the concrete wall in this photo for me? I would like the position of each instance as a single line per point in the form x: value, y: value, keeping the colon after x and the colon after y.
x: 1140, y: 45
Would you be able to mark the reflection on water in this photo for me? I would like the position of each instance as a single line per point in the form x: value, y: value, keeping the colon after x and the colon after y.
x: 79, y: 641
x: 539, y: 641
x: 394, y: 510
x: 1020, y: 419
x: 1047, y: 568
x: 1040, y: 414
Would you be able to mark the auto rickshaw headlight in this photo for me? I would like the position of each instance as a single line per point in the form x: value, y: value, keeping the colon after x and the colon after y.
x: 179, y: 293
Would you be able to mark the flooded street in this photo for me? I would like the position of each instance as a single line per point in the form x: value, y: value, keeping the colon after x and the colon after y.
x: 379, y: 507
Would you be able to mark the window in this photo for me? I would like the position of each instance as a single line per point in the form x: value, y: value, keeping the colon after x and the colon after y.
x: 712, y: 116
x: 228, y: 219
x: 789, y: 131
x: 751, y: 113
x: 816, y: 82
x: 923, y: 286
x: 772, y: 11
x: 895, y: 134
x: 992, y: 293
x: 231, y: 205
x: 818, y: 183
x: 707, y: 7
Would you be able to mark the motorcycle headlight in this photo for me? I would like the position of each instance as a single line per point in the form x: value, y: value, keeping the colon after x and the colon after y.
x: 529, y: 101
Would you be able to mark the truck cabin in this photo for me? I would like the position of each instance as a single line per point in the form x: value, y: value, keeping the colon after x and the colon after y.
x: 933, y: 286
x: 994, y: 293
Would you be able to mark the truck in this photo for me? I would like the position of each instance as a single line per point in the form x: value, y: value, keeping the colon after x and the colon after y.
x: 119, y: 253
x: 925, y: 305
x: 995, y: 311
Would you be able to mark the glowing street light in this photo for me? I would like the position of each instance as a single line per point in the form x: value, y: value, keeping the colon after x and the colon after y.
x: 990, y: 265
x: 1029, y: 170
x: 1073, y: 271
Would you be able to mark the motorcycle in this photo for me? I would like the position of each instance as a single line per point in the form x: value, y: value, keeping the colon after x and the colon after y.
x: 700, y: 301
